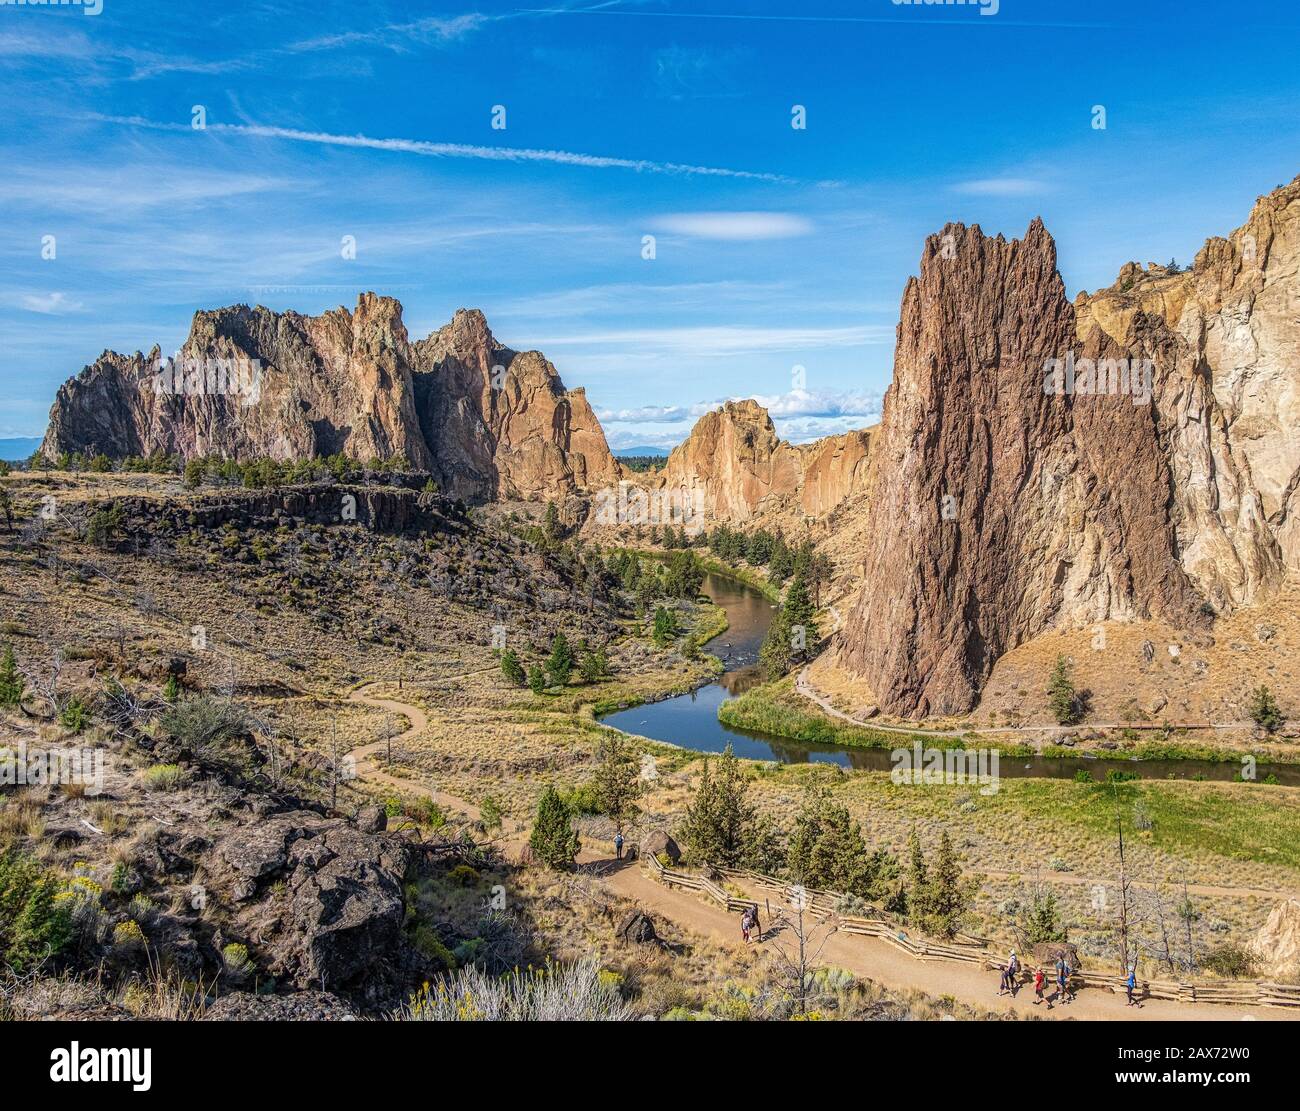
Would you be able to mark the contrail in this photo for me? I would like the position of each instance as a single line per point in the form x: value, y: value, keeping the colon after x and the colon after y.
x: 457, y: 150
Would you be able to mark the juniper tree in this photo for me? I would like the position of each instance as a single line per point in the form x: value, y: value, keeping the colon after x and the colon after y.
x: 617, y: 779
x: 11, y: 683
x: 512, y: 669
x: 1061, y: 695
x: 1264, y: 710
x: 553, y: 839
x: 560, y: 664
x: 721, y: 826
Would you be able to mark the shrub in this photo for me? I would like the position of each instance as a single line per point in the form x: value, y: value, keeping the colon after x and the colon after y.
x: 556, y: 993
x: 1264, y: 710
x: 198, y: 723
x: 75, y: 715
x: 35, y: 922
x: 128, y: 934
x: 236, y: 959
x: 164, y: 777
x: 1230, y: 960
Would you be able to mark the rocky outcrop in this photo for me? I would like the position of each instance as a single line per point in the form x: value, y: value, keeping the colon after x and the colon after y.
x: 248, y: 382
x: 1150, y: 472
x: 996, y: 508
x: 1228, y: 332
x: 501, y: 420
x: 734, y: 468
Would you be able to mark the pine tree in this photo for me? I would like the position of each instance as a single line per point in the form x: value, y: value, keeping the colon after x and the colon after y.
x: 11, y: 682
x: 560, y: 664
x: 1264, y: 710
x: 918, y: 880
x: 948, y: 895
x: 617, y: 779
x: 553, y: 839
x: 171, y: 689
x: 1061, y: 695
x: 721, y: 826
x: 797, y: 613
x: 551, y: 527
x: 536, y: 680
x: 512, y: 669
x: 665, y: 627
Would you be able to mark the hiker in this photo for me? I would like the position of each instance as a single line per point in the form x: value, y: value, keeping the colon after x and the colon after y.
x: 618, y: 846
x: 1061, y: 978
x: 1039, y: 982
x: 1130, y: 985
x: 1013, y: 972
x: 745, y: 921
x: 753, y: 918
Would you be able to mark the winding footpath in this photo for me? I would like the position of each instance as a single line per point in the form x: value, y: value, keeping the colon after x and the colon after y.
x: 869, y: 958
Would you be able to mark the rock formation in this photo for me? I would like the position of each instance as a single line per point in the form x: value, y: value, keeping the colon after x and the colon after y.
x: 1039, y: 464
x: 996, y: 508
x: 249, y: 382
x: 734, y: 468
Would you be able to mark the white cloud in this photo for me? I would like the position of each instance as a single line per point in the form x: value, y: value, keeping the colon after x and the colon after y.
x: 1001, y: 187
x: 50, y: 304
x: 741, y: 226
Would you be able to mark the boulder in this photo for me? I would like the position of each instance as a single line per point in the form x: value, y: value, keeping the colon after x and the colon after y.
x: 372, y: 819
x: 638, y: 927
x: 659, y: 842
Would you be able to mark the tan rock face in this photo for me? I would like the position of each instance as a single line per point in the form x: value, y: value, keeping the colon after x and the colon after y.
x: 996, y: 509
x: 734, y: 468
x: 1229, y: 333
x: 490, y: 422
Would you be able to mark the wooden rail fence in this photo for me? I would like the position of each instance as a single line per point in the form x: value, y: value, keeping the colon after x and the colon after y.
x: 973, y: 950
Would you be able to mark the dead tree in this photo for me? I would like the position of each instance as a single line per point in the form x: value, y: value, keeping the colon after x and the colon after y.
x: 808, y: 938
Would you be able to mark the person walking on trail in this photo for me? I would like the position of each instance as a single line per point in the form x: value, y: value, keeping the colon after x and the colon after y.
x: 1040, y: 982
x: 1061, y: 978
x: 1130, y: 985
x: 1013, y: 973
x: 753, y: 919
x: 618, y: 846
x: 745, y: 922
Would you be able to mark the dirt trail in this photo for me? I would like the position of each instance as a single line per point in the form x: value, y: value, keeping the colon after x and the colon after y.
x: 803, y: 685
x: 368, y: 767
x: 869, y: 958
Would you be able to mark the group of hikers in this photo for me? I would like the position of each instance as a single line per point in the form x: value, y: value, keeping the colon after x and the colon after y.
x: 1064, y: 992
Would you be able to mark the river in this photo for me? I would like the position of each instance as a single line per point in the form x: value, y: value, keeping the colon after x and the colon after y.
x: 691, y: 720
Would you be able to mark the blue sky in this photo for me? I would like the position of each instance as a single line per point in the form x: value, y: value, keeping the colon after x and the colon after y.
x: 775, y: 247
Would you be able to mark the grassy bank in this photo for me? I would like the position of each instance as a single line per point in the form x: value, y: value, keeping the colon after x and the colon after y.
x: 777, y: 709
